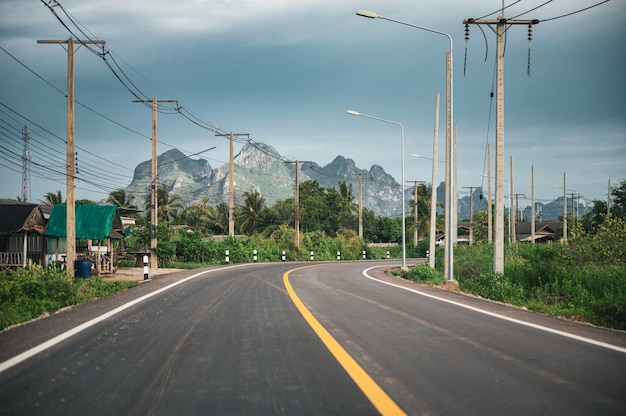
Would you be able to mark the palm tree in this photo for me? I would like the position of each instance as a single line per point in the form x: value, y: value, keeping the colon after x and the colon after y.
x: 250, y: 212
x: 168, y: 205
x: 120, y: 199
x: 51, y: 198
x: 219, y: 217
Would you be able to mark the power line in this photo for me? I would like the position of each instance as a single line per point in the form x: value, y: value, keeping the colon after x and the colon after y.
x: 577, y: 11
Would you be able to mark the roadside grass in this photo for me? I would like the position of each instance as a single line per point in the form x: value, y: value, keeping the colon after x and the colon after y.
x: 26, y: 294
x: 546, y: 278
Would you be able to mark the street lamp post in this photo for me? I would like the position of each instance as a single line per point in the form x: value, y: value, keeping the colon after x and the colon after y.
x: 451, y: 195
x: 356, y: 113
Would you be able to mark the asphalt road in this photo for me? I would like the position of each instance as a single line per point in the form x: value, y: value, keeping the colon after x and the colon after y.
x: 263, y: 339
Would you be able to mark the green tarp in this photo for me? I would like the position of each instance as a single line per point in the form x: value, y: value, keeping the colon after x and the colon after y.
x: 94, y: 222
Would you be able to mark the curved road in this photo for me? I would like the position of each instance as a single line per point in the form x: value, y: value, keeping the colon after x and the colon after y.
x: 317, y: 338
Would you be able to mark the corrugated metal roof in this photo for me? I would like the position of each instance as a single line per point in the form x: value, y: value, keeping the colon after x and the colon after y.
x: 92, y: 221
x: 19, y: 216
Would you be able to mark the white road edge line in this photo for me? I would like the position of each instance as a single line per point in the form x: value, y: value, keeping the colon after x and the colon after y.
x: 67, y: 334
x: 495, y: 315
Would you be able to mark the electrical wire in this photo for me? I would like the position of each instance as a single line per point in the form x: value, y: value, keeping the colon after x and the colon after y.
x: 577, y: 11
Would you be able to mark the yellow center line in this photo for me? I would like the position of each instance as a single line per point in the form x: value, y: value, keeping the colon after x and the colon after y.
x: 381, y: 401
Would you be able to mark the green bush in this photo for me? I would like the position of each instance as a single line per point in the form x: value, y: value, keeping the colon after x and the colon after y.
x: 584, y: 279
x: 28, y: 293
x: 423, y: 273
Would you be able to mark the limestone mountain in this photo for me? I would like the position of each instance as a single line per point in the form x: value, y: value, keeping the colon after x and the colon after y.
x: 259, y: 166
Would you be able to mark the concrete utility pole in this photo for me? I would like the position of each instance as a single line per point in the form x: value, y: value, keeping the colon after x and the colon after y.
x: 231, y: 181
x: 26, y: 157
x: 70, y: 208
x: 490, y: 209
x: 297, y: 204
x: 471, y: 230
x: 608, y: 200
x: 512, y: 212
x: 360, y: 175
x: 154, y: 199
x: 532, y: 209
x: 501, y: 26
x: 415, y: 206
x: 433, y: 190
x: 564, y: 208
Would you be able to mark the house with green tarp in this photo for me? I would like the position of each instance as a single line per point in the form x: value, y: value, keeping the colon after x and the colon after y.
x: 21, y: 239
x: 97, y: 226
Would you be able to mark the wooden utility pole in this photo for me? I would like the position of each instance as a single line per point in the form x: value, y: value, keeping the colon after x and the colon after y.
x: 154, y: 196
x: 501, y: 26
x: 231, y: 181
x: 70, y: 208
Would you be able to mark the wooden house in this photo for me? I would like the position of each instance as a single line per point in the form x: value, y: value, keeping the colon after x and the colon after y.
x: 21, y: 239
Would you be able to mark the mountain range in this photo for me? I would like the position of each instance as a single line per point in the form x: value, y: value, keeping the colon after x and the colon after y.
x: 259, y: 166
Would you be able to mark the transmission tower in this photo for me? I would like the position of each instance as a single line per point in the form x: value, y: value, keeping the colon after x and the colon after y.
x: 26, y: 165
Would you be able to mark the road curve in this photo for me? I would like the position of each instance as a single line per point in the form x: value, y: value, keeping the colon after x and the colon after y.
x: 232, y: 340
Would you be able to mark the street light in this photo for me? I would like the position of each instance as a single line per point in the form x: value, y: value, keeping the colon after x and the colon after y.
x: 356, y: 113
x: 451, y: 209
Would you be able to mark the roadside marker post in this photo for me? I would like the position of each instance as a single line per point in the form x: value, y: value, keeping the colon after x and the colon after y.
x: 145, y: 267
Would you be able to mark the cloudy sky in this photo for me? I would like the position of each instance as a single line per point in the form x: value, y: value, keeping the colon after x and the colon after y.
x: 285, y: 72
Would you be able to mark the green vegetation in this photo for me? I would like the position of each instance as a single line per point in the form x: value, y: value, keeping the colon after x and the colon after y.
x: 585, y: 279
x: 28, y: 293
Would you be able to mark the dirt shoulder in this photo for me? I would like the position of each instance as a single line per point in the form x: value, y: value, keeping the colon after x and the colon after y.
x: 136, y: 274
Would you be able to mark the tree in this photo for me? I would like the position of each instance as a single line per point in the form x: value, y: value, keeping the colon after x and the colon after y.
x: 120, y: 199
x: 250, y: 212
x: 618, y: 207
x: 168, y: 205
x: 51, y: 198
x: 597, y: 216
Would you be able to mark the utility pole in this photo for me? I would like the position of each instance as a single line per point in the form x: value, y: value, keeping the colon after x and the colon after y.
x: 490, y: 209
x: 360, y: 175
x: 154, y: 200
x: 512, y: 213
x: 515, y: 227
x: 231, y: 181
x: 564, y: 207
x: 70, y: 208
x: 501, y: 23
x: 415, y: 206
x: 608, y: 200
x: 297, y: 204
x: 532, y: 209
x: 26, y: 157
x: 433, y: 190
x: 471, y: 230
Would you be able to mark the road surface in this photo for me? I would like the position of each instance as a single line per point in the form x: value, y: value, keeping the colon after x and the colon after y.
x: 317, y: 338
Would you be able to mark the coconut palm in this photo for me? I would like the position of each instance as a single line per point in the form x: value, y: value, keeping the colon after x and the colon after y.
x: 51, y: 198
x: 251, y: 211
x: 120, y: 199
x: 168, y: 205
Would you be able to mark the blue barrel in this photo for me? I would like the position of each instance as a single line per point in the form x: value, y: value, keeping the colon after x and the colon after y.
x: 82, y: 269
